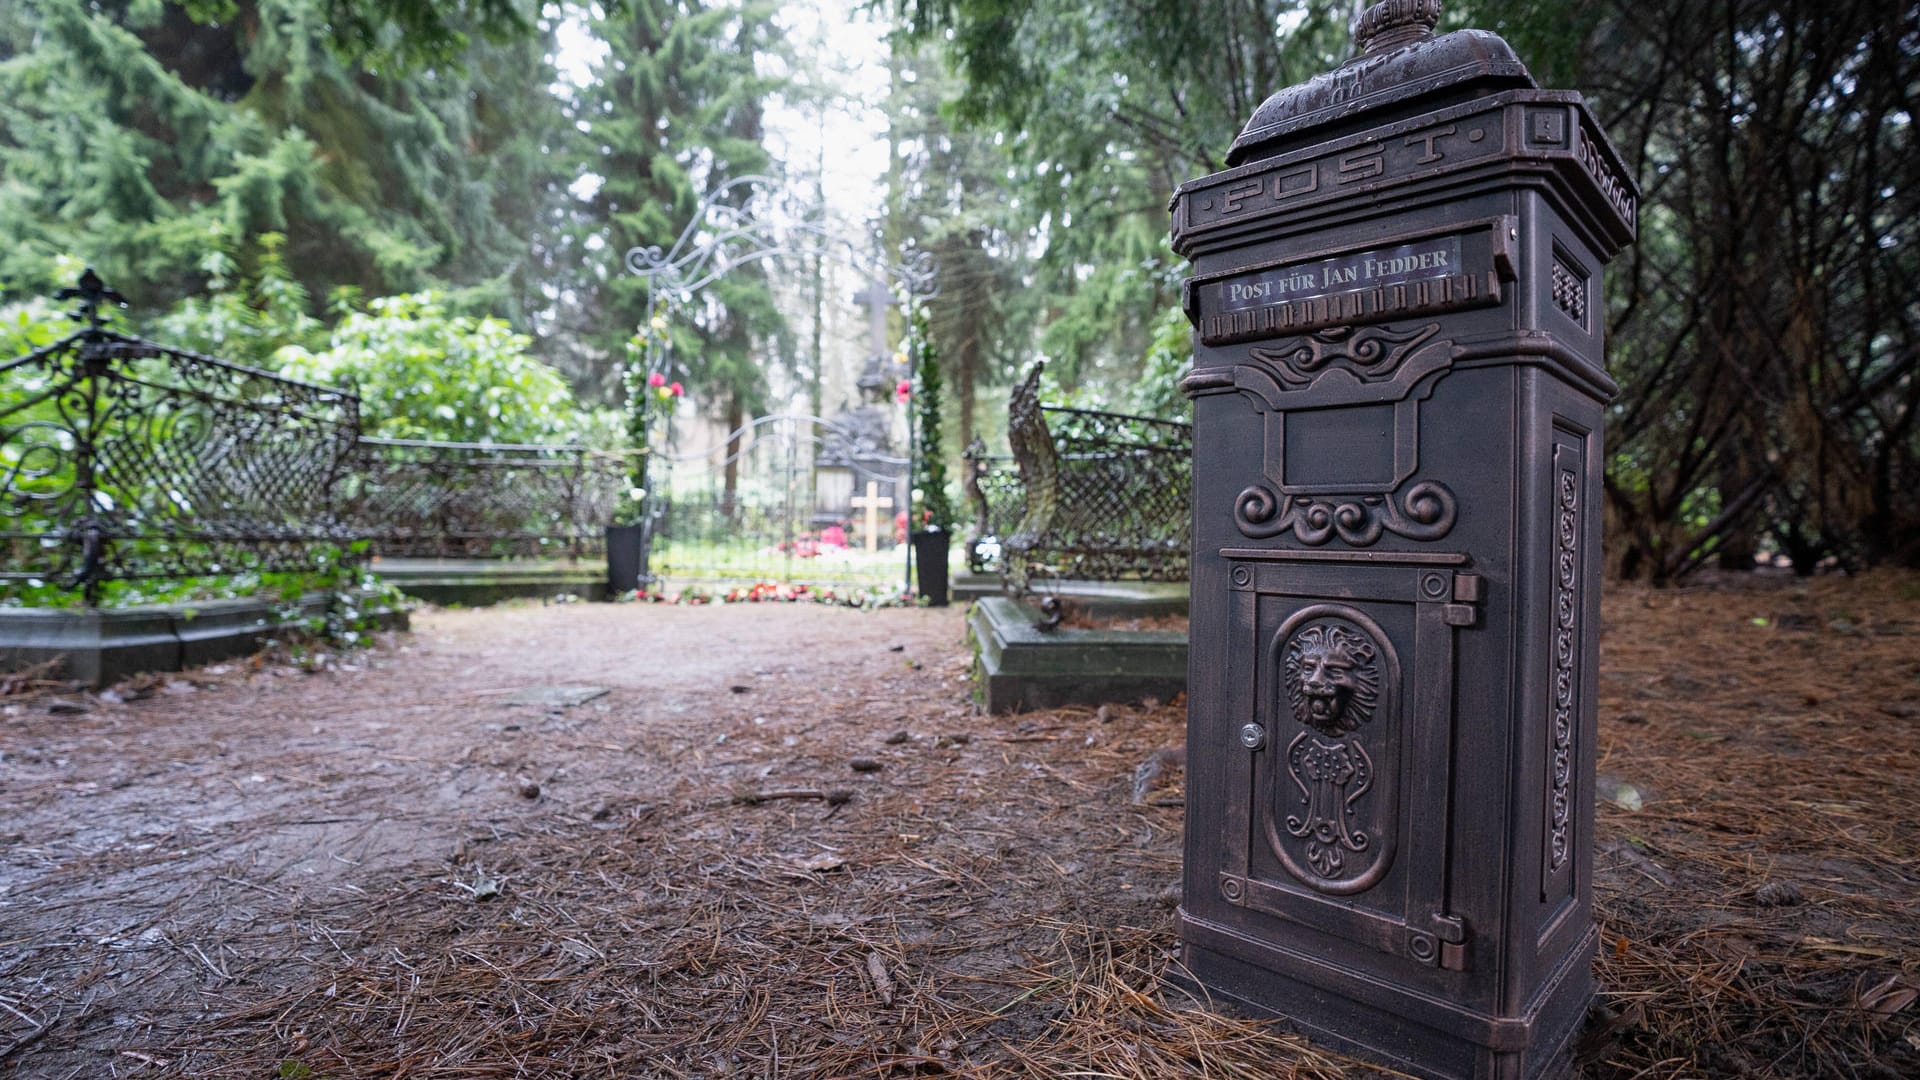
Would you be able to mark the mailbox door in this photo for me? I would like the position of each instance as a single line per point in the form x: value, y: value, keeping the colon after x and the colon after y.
x: 1328, y: 825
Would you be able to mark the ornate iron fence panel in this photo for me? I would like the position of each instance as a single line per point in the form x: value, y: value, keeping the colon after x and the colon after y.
x: 1100, y: 496
x: 1126, y: 497
x: 420, y: 499
x: 787, y: 498
x: 121, y: 459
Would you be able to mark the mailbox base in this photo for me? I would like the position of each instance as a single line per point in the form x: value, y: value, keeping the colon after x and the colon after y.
x: 1355, y: 1014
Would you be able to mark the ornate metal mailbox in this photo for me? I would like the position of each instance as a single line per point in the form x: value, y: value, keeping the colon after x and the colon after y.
x: 1398, y: 392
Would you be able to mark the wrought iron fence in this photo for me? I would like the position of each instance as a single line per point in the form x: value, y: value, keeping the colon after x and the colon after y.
x: 422, y: 499
x: 1116, y: 497
x: 998, y: 499
x: 783, y: 498
x: 122, y: 459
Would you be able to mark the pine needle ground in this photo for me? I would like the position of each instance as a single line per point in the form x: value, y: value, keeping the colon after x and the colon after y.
x: 783, y: 845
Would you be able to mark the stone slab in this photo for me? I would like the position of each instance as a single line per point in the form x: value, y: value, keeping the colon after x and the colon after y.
x: 480, y: 582
x: 1019, y: 667
x: 1137, y: 599
x: 101, y: 647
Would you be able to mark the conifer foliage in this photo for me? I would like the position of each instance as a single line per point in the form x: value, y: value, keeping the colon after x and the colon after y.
x: 160, y: 140
x: 674, y: 112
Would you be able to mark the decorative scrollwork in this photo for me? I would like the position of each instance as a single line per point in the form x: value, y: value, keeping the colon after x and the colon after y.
x: 1372, y: 354
x: 1331, y: 778
x: 1331, y: 670
x: 37, y: 466
x: 646, y: 260
x: 1566, y: 640
x: 1426, y: 512
x: 1331, y: 809
x: 1333, y: 683
x: 753, y: 218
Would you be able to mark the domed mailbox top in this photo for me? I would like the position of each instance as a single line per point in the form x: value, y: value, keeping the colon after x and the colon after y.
x: 1395, y: 23
x: 1396, y: 58
x: 1412, y: 114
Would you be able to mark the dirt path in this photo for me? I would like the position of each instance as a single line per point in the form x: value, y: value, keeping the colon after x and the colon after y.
x: 250, y: 869
x: 781, y: 844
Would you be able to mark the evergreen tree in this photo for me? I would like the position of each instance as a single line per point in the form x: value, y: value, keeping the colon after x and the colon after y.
x: 156, y: 139
x: 947, y: 198
x: 1104, y: 114
x: 935, y: 511
x: 675, y: 112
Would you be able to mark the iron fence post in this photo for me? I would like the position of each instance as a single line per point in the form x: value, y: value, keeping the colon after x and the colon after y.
x: 95, y: 537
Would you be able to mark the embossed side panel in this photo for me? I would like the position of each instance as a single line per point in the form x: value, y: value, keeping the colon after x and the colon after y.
x: 1565, y: 554
x: 1565, y: 648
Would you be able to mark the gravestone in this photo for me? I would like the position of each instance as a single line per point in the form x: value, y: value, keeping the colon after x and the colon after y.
x: 1398, y: 391
x: 859, y: 447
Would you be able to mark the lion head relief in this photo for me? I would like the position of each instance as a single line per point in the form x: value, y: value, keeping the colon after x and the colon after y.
x: 1332, y: 676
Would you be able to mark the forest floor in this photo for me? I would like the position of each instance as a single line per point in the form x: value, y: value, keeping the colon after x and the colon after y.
x: 782, y: 844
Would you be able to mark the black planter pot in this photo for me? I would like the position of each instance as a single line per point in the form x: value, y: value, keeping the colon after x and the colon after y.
x: 626, y: 558
x: 930, y: 563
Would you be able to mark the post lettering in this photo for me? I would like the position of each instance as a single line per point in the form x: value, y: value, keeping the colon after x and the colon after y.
x: 1363, y: 164
x: 1240, y: 193
x: 1429, y: 138
x: 1302, y: 181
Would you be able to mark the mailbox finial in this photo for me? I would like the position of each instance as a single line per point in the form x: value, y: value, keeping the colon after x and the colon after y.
x: 1389, y: 25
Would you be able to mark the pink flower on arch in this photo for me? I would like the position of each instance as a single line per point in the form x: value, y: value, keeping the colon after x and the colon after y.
x: 903, y: 391
x: 656, y: 379
x: 677, y: 390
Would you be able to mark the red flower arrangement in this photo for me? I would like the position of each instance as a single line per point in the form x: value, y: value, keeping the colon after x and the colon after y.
x: 769, y: 592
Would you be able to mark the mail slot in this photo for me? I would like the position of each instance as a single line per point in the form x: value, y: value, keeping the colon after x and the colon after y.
x: 1399, y: 386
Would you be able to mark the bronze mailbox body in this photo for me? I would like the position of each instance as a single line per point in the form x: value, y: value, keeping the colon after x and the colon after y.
x: 1398, y: 390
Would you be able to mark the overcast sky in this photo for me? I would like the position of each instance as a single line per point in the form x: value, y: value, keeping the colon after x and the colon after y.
x: 835, y: 44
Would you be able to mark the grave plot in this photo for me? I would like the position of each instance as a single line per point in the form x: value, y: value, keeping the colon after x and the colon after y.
x: 1086, y: 530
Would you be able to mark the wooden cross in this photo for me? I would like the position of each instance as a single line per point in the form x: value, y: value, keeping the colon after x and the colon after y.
x: 872, y: 504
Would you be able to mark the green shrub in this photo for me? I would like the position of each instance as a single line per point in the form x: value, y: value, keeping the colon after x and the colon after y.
x: 422, y: 373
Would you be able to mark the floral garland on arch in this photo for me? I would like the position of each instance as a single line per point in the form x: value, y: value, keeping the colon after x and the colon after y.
x: 934, y: 510
x: 649, y: 356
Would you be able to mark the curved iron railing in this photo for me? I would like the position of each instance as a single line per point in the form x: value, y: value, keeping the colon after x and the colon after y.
x: 121, y: 459
x: 998, y: 498
x: 1118, y: 505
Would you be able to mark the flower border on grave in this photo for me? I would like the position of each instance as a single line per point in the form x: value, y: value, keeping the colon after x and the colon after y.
x: 866, y: 598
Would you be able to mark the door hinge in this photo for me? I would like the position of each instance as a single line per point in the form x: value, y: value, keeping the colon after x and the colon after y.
x: 1452, y: 932
x: 1469, y: 591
